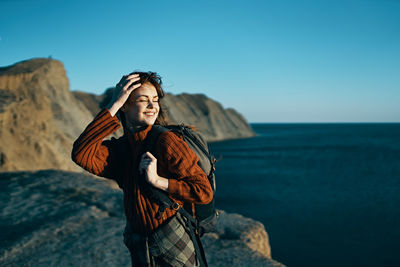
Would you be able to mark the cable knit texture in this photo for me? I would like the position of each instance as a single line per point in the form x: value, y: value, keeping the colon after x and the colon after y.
x: 119, y: 159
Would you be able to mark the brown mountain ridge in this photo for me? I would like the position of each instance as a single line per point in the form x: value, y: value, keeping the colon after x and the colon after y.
x: 40, y: 117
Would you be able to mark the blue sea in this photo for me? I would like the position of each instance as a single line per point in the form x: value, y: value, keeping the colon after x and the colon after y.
x: 328, y: 194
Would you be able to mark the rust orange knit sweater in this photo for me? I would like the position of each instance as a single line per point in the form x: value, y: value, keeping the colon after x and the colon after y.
x: 118, y: 159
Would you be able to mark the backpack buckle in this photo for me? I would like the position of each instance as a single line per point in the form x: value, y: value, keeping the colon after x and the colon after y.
x: 176, y: 206
x: 161, y: 212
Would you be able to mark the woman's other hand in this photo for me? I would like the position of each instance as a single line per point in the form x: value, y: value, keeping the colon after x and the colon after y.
x: 122, y: 91
x: 148, y: 165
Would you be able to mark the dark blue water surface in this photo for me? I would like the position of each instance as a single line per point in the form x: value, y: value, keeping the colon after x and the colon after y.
x: 328, y: 194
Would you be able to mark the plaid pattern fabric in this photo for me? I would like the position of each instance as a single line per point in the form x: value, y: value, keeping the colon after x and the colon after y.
x: 169, y: 245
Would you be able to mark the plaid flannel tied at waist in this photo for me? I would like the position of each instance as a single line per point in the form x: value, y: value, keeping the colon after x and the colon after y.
x: 170, y: 244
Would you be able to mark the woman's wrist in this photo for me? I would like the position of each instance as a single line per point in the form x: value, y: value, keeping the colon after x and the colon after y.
x: 113, y: 107
x: 161, y: 183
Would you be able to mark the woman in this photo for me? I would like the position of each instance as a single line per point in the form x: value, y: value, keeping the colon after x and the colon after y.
x: 152, y: 240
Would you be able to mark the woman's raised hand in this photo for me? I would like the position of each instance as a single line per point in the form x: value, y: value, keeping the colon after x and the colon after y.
x: 122, y: 91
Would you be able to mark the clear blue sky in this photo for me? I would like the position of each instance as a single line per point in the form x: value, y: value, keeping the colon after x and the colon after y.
x: 272, y: 60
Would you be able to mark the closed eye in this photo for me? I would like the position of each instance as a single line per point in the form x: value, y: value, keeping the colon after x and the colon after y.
x: 146, y: 99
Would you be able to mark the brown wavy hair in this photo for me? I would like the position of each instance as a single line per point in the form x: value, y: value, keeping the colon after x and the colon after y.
x: 155, y: 80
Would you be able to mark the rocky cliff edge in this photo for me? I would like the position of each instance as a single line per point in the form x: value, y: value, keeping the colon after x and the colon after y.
x: 60, y: 218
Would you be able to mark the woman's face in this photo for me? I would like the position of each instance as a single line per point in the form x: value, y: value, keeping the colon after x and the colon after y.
x: 141, y: 108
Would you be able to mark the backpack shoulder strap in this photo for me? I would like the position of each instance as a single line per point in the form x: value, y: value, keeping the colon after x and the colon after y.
x: 152, y: 137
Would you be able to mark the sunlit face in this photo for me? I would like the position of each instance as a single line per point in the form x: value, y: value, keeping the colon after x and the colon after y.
x: 142, y: 107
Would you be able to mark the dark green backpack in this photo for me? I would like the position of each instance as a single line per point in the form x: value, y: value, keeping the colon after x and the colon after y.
x: 205, y: 214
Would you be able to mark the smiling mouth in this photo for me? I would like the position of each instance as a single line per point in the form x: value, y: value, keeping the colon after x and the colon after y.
x: 149, y: 113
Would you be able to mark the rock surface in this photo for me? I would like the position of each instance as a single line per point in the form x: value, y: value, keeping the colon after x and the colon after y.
x: 208, y: 116
x: 60, y: 218
x: 40, y: 118
x: 238, y: 241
